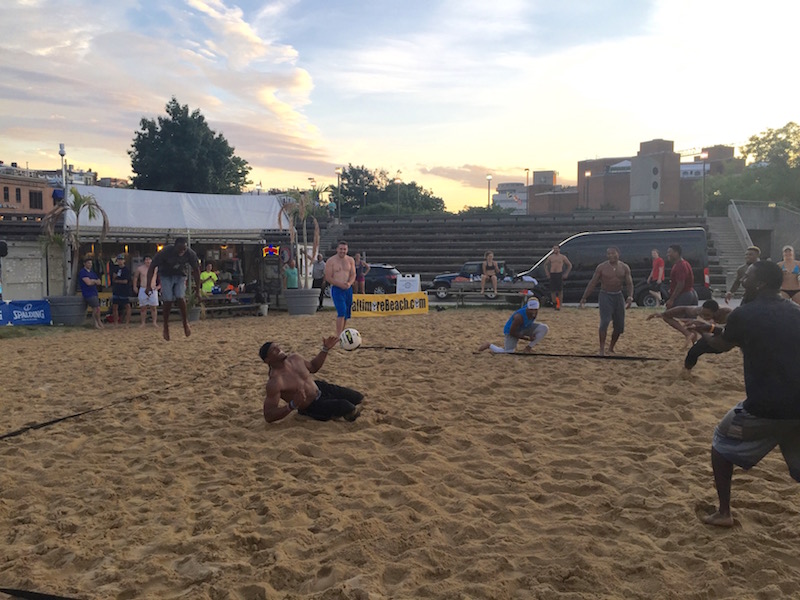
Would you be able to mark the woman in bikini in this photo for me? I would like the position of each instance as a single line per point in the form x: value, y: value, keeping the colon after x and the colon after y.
x: 490, y: 269
x: 362, y: 269
x: 791, y: 275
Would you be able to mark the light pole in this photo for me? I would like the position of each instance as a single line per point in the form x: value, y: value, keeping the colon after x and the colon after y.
x: 488, y: 191
x: 526, y: 177
x: 365, y: 198
x: 397, y: 182
x: 62, y: 153
x: 258, y: 189
x: 704, y: 156
x: 586, y: 175
x: 339, y: 172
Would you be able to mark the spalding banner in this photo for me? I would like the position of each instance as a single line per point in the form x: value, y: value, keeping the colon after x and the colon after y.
x: 27, y: 312
x: 389, y: 305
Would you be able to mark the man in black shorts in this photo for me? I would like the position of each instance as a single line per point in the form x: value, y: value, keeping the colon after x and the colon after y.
x: 557, y: 268
x: 767, y: 330
x: 290, y: 380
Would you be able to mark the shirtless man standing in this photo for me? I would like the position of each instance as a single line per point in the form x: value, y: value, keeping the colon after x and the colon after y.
x: 611, y: 274
x: 340, y: 272
x: 557, y: 268
x: 290, y: 379
x: 146, y: 301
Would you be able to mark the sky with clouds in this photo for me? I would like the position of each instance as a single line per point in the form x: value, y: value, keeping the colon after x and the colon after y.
x: 444, y: 91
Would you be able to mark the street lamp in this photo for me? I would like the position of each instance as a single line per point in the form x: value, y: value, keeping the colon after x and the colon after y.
x: 704, y: 156
x: 365, y: 198
x: 526, y: 177
x: 62, y: 153
x: 397, y: 182
x: 586, y: 175
x: 488, y: 191
x: 258, y: 189
x: 339, y: 172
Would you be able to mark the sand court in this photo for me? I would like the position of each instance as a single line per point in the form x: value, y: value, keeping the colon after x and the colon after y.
x: 466, y: 476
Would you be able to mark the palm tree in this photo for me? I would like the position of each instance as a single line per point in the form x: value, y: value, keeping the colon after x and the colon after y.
x: 75, y: 203
x: 296, y: 212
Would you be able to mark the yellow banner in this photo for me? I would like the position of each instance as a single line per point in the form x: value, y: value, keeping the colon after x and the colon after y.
x: 389, y: 305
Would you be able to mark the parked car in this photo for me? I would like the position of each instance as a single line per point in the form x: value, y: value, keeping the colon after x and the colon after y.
x: 586, y: 250
x: 380, y: 279
x: 470, y: 271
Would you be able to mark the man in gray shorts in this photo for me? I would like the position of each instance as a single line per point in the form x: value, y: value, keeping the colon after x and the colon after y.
x: 611, y: 275
x: 172, y: 262
x: 767, y: 330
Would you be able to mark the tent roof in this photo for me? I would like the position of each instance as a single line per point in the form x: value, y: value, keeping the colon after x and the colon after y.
x: 149, y: 210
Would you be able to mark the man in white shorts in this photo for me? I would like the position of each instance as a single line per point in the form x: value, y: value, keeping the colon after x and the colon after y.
x: 146, y: 301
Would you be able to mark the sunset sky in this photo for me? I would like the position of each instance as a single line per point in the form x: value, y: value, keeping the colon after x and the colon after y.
x: 444, y: 91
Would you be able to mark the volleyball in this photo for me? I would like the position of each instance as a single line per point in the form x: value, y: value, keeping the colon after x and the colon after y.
x: 350, y: 339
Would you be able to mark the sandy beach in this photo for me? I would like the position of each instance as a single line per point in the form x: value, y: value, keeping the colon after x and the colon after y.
x: 467, y: 475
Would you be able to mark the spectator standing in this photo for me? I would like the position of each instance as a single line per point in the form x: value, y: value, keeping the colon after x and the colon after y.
x: 290, y: 275
x: 172, y: 263
x: 791, y: 275
x: 557, y: 268
x: 656, y: 277
x: 362, y: 268
x: 90, y: 282
x: 752, y: 255
x: 147, y: 302
x: 208, y: 279
x: 120, y: 290
x: 681, y: 279
x: 612, y: 275
x: 318, y: 277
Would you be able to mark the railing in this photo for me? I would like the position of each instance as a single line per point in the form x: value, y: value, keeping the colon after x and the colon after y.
x: 739, y: 226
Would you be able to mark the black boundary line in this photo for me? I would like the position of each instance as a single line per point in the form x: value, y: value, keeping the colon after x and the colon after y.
x: 546, y: 354
x: 596, y: 356
x: 402, y: 348
x: 43, y: 424
x: 25, y: 595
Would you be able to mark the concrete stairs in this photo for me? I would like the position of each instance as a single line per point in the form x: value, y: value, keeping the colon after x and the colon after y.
x: 329, y: 237
x: 730, y: 252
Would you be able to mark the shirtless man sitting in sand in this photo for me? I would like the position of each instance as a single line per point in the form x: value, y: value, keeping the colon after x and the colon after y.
x: 290, y: 379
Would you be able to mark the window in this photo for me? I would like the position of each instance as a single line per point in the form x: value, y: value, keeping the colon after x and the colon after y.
x: 19, y: 195
x: 35, y: 199
x: 5, y: 193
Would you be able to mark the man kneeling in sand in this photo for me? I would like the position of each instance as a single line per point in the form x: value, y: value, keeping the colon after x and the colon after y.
x: 290, y: 379
x: 521, y: 325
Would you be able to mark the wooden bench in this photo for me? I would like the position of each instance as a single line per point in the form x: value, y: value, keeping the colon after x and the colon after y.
x: 229, y: 310
x: 462, y: 294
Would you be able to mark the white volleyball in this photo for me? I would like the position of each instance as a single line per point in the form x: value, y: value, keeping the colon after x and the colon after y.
x: 350, y: 339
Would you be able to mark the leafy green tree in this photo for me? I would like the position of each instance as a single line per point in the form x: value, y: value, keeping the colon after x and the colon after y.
x: 773, y: 173
x: 375, y: 193
x: 180, y: 153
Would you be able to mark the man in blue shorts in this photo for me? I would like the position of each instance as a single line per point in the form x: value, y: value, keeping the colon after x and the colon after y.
x: 340, y: 273
x: 767, y: 330
x: 172, y: 263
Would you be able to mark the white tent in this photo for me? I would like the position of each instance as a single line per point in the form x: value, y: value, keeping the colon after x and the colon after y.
x: 147, y: 214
